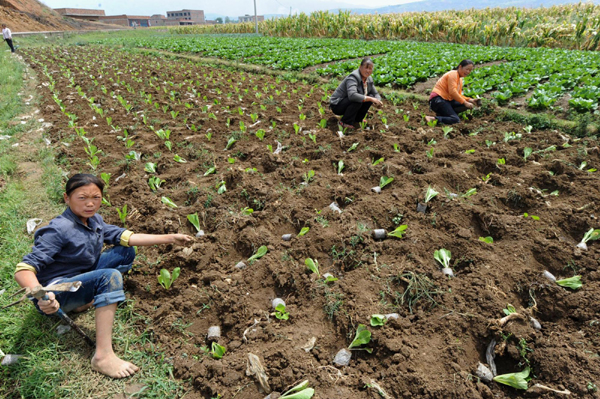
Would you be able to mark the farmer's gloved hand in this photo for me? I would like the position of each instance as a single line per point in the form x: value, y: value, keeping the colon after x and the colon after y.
x: 50, y: 306
x: 181, y: 239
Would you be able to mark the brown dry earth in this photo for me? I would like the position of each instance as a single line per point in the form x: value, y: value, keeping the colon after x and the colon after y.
x: 433, y: 349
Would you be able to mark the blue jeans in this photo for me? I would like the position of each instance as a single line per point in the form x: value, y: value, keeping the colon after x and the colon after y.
x: 103, y: 285
x: 446, y: 111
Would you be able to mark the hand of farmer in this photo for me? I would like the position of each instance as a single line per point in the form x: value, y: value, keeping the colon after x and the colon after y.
x: 374, y: 101
x: 468, y: 104
x: 181, y: 239
x: 50, y: 306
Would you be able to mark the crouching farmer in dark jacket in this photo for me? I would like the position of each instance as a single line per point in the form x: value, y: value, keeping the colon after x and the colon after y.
x: 355, y: 95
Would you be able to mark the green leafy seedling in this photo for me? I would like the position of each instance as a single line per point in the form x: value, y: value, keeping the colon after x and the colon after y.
x: 210, y: 170
x: 217, y: 351
x: 353, y: 147
x: 303, y: 231
x: 313, y: 266
x: 230, y: 143
x: 166, y: 279
x: 573, y: 283
x: 167, y: 201
x: 280, y: 313
x: 487, y: 240
x: 363, y: 337
x: 122, y: 213
x: 527, y: 152
x: 330, y: 279
x: 510, y: 309
x: 470, y: 192
x: 384, y: 181
x: 378, y: 320
x: 193, y: 218
x: 300, y: 391
x: 526, y: 215
x: 515, y: 380
x: 399, y: 232
x: 443, y: 256
x: 378, y: 161
x: 262, y: 251
x: 430, y: 194
x: 150, y: 167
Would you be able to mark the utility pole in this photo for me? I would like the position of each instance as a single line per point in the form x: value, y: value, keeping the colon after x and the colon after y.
x: 255, y: 18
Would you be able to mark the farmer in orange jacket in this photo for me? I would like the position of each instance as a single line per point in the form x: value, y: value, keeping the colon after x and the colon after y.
x: 446, y: 99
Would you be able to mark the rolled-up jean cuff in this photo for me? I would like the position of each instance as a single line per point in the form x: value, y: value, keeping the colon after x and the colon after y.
x: 109, y: 298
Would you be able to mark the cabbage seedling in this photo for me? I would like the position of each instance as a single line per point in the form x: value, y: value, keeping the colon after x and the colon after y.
x: 260, y: 252
x: 122, y: 213
x: 230, y: 143
x: 221, y: 188
x: 217, y: 351
x: 260, y: 133
x: 167, y: 201
x: 193, y: 218
x: 300, y: 391
x: 362, y: 337
x: 430, y: 194
x: 471, y: 151
x: 353, y: 147
x: 378, y: 320
x: 340, y: 167
x: 470, y: 192
x: 510, y: 309
x: 573, y: 283
x: 210, y: 170
x: 443, y: 256
x: 177, y: 158
x: 398, y: 233
x: 247, y: 211
x: 377, y: 162
x: 280, y: 312
x: 303, y: 231
x: 154, y: 182
x: 515, y: 380
x: 527, y: 152
x: 591, y: 235
x: 166, y: 279
x: 384, y: 181
x: 323, y: 123
x: 487, y: 240
x: 329, y: 278
x: 313, y: 266
x: 526, y: 215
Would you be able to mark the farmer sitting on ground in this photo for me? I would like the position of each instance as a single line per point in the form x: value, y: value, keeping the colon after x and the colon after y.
x: 355, y: 95
x: 446, y: 99
x: 70, y: 249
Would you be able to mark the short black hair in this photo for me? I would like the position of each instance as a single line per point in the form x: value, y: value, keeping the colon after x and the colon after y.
x: 366, y: 60
x: 464, y: 63
x: 83, y: 179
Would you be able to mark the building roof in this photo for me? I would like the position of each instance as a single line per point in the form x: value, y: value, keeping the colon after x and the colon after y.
x: 125, y: 16
x: 185, y: 9
x: 82, y: 12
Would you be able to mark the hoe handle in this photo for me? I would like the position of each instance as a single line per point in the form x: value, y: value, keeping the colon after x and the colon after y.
x: 72, y: 324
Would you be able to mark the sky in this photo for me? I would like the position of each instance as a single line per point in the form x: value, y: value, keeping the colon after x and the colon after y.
x: 232, y: 8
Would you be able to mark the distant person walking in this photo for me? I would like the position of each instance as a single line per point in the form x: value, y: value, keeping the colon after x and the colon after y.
x: 446, y: 99
x: 355, y: 95
x: 7, y: 35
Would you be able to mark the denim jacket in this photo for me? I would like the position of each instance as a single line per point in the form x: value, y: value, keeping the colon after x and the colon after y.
x: 67, y: 247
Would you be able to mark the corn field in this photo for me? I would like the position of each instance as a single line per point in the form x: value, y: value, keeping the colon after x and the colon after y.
x: 573, y: 26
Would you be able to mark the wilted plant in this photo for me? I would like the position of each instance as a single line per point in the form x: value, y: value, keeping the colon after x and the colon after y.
x: 527, y: 152
x: 515, y: 380
x: 260, y: 252
x: 591, y: 235
x: 300, y: 391
x: 353, y: 147
x: 378, y: 320
x: 430, y: 194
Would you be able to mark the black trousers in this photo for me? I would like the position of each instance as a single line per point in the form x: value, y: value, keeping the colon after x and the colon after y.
x: 10, y: 44
x: 353, y: 112
x: 446, y: 111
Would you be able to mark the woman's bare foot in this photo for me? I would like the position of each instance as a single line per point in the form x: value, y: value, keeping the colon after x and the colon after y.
x: 114, y: 367
x: 429, y: 119
x: 83, y: 308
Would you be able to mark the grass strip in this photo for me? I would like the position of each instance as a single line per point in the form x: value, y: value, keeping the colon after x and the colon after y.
x: 53, y: 366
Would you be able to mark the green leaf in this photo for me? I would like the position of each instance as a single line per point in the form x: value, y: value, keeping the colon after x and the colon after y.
x: 193, y: 218
x: 487, y: 240
x: 363, y: 336
x: 164, y: 278
x: 330, y: 279
x: 471, y: 151
x: 353, y: 147
x: 210, y: 171
x: 313, y: 266
x: 175, y: 274
x: 384, y: 181
x: 573, y: 283
x: 510, y: 309
x: 515, y: 380
x: 398, y: 232
x: 470, y: 192
x: 217, y: 350
x: 262, y: 251
x: 303, y: 231
x: 378, y: 320
x: 377, y: 162
x: 150, y: 167
x: 591, y: 235
x: 443, y: 256
x: 430, y: 194
x: 167, y: 201
x: 304, y: 394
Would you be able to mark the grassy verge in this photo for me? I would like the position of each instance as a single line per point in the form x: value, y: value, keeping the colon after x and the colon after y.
x: 53, y: 366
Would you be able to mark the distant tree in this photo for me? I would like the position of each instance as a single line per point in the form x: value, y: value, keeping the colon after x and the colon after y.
x: 227, y: 20
x: 219, y: 20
